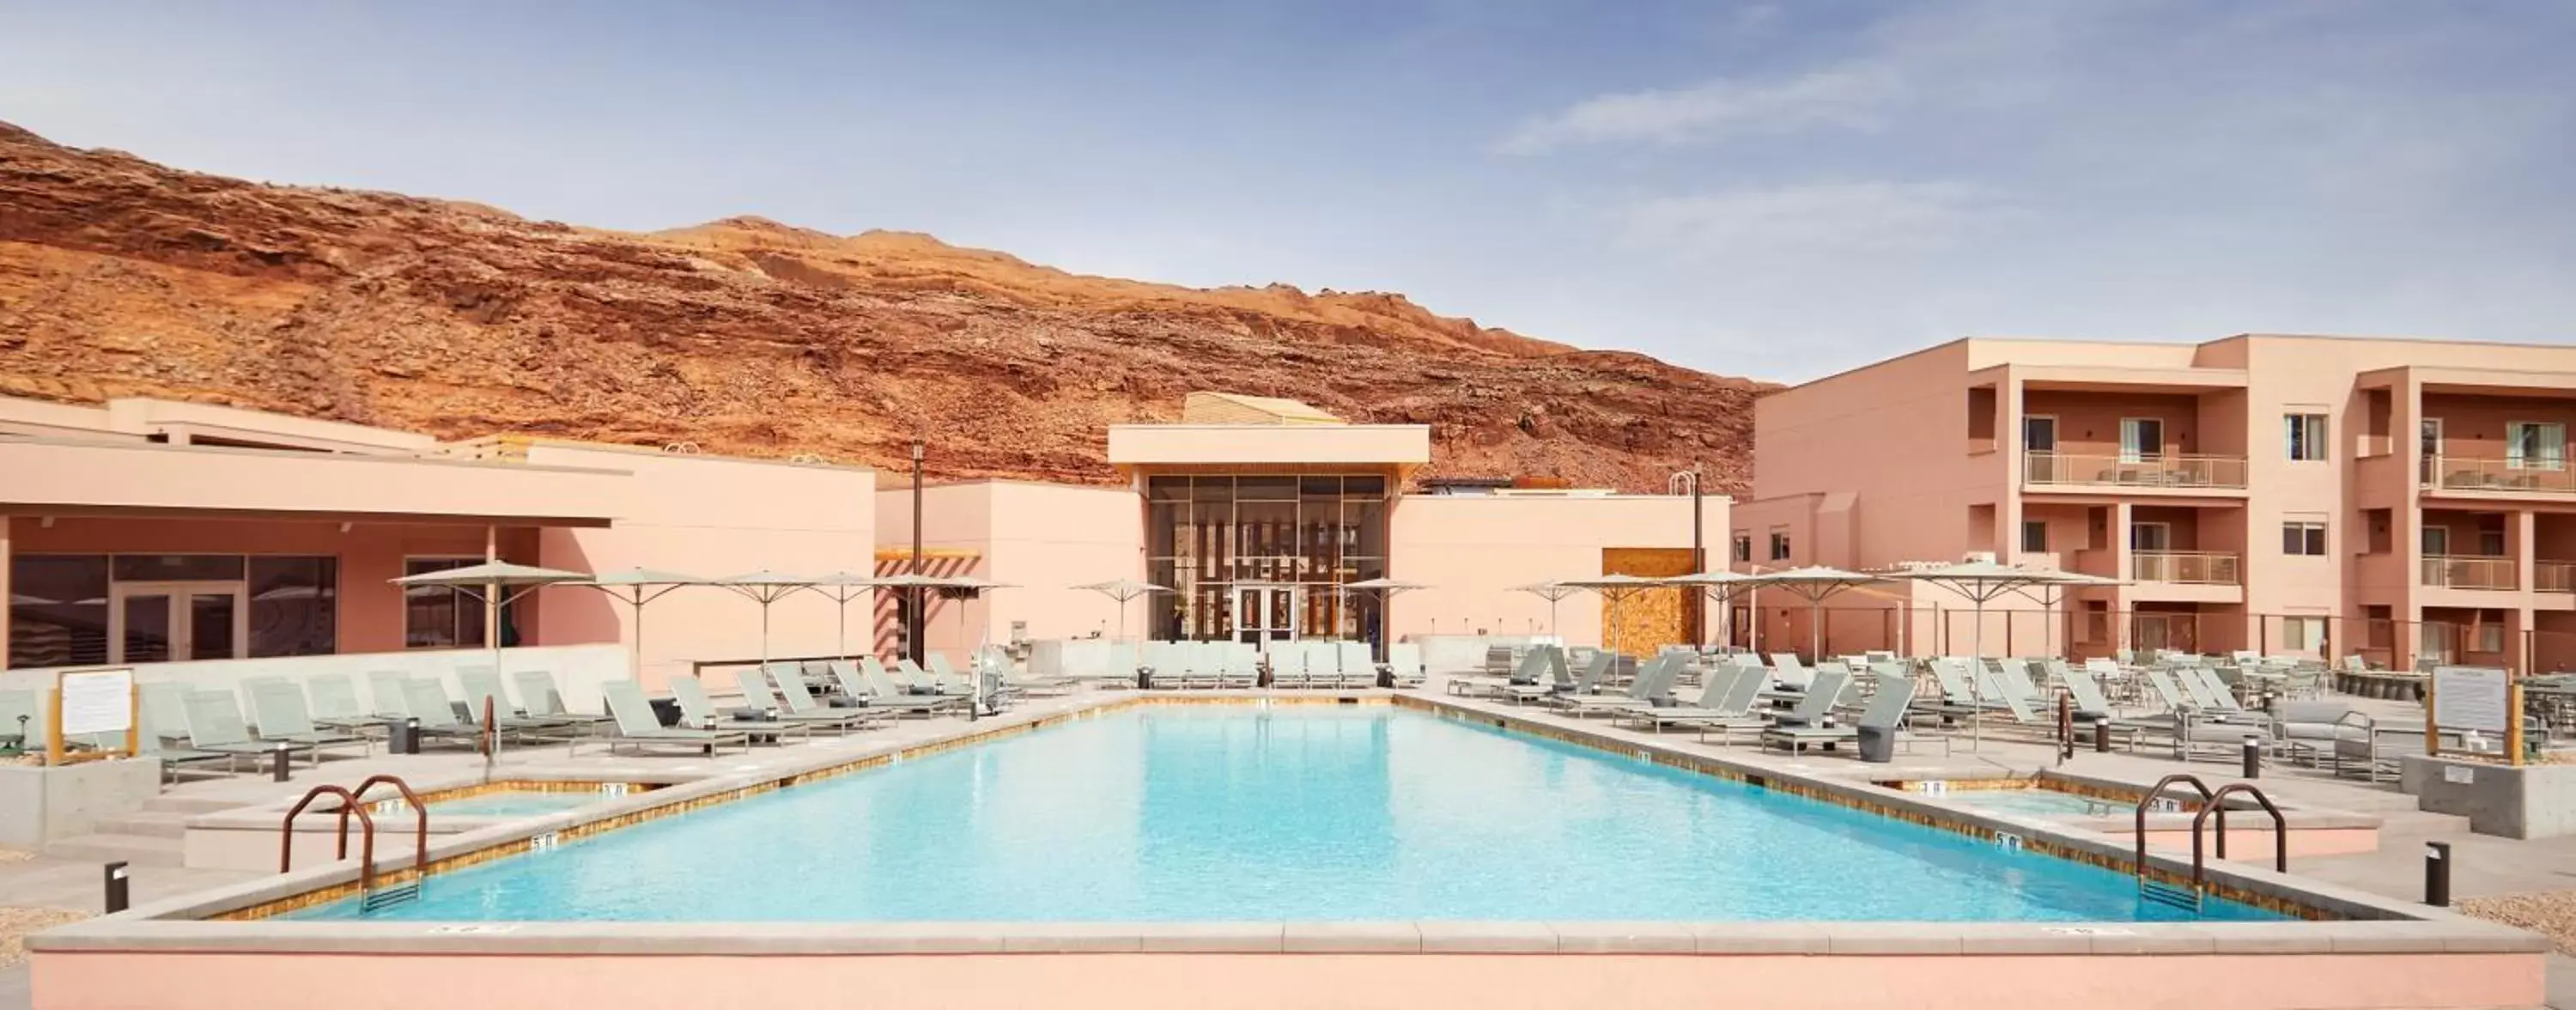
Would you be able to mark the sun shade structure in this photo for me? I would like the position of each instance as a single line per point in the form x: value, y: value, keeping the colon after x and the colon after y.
x: 1614, y: 589
x: 1982, y: 582
x: 844, y: 587
x: 1718, y: 586
x: 1124, y: 591
x: 765, y: 587
x: 1813, y: 584
x: 636, y: 587
x: 485, y: 582
x: 965, y: 587
x: 1554, y: 593
x: 1384, y: 589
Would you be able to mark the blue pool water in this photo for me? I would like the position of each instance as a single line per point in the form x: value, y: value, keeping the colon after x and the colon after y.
x: 1200, y: 813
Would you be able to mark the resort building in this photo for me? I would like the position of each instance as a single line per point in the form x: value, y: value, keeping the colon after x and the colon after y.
x: 148, y: 531
x: 2400, y: 500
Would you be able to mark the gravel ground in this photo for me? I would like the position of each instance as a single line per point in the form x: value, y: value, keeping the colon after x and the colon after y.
x: 2549, y: 912
x: 16, y: 923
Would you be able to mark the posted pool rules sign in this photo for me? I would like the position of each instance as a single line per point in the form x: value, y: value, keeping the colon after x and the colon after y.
x: 97, y: 701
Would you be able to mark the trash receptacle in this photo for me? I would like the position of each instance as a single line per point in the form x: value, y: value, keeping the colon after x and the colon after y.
x: 402, y: 736
x: 1877, y: 744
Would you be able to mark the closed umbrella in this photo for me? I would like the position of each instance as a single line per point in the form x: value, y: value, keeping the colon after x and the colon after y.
x: 1124, y: 591
x: 636, y: 587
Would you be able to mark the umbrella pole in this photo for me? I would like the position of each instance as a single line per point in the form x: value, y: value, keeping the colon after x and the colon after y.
x: 635, y: 663
x: 1977, y: 675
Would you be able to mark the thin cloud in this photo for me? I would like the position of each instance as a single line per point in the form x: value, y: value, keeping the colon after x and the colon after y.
x: 1829, y: 218
x: 1850, y: 96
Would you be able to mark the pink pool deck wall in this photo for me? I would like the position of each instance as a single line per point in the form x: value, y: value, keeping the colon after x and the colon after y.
x: 1472, y: 550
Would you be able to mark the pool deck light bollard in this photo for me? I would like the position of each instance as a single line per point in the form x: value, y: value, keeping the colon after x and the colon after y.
x: 117, y: 894
x: 278, y: 761
x: 2253, y: 757
x: 2437, y: 874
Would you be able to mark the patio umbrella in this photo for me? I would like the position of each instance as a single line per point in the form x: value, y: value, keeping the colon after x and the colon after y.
x: 1615, y: 589
x: 2050, y: 594
x: 1553, y: 593
x: 1718, y: 586
x: 764, y: 587
x: 491, y: 578
x: 1812, y: 583
x: 636, y: 587
x: 844, y: 587
x: 967, y: 587
x: 1981, y: 582
x: 1384, y: 589
x: 1124, y: 591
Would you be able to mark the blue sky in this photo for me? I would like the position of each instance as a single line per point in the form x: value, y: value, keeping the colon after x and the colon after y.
x: 1778, y: 190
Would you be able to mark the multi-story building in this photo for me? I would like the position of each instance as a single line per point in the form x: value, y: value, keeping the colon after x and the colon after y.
x: 2398, y: 499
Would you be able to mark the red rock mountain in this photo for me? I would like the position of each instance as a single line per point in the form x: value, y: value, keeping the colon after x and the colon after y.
x: 120, y: 277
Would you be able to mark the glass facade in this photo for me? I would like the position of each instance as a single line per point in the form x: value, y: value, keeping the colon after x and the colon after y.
x: 169, y: 606
x: 1264, y: 554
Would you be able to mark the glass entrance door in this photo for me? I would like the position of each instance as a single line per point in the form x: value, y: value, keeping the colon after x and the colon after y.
x: 159, y: 622
x: 1265, y: 613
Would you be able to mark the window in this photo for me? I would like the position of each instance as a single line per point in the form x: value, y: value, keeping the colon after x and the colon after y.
x: 2303, y: 538
x: 2306, y: 436
x: 2490, y: 637
x: 57, y: 610
x: 2034, y: 536
x: 2437, y: 541
x: 294, y: 606
x: 2491, y: 543
x: 2530, y: 445
x: 2150, y: 536
x: 2039, y: 433
x: 2141, y: 438
x: 439, y: 617
x: 1779, y: 546
x: 2303, y: 634
x: 1744, y: 547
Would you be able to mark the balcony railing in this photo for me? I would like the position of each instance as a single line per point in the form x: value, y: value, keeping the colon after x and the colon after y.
x: 2113, y: 470
x: 2455, y: 571
x: 2455, y: 473
x: 2197, y: 568
x: 2553, y: 576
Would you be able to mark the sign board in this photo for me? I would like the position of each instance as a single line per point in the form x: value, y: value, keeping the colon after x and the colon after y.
x: 97, y: 702
x: 2459, y: 775
x: 2470, y: 697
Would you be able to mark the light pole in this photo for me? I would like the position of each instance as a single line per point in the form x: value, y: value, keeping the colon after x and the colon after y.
x: 912, y: 625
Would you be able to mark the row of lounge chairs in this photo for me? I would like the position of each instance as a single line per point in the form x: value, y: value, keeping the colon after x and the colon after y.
x: 1290, y: 665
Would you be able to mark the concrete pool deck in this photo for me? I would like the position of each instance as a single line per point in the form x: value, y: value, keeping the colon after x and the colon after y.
x: 82, y: 965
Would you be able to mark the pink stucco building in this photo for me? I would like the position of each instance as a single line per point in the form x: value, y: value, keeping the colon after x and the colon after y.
x: 2395, y: 499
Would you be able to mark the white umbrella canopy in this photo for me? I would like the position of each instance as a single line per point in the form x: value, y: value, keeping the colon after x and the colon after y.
x: 1614, y: 588
x: 843, y: 587
x: 1812, y: 583
x: 1124, y: 591
x: 1384, y: 589
x: 491, y: 577
x: 1719, y: 586
x: 636, y: 587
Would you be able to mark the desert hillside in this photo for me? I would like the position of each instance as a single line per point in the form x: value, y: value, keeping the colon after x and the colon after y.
x: 122, y: 277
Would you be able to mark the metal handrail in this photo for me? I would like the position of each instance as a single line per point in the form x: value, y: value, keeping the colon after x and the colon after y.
x: 2216, y: 803
x: 367, y: 833
x: 2205, y: 796
x: 2163, y: 469
x: 420, y: 814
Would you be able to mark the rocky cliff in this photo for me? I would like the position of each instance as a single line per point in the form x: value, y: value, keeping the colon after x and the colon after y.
x: 120, y: 277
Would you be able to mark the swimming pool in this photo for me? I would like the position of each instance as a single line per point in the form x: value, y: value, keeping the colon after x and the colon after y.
x: 513, y: 803
x: 2041, y: 802
x: 1295, y: 813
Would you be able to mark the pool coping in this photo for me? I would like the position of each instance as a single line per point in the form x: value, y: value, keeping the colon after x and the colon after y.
x: 197, y: 923
x: 2301, y: 816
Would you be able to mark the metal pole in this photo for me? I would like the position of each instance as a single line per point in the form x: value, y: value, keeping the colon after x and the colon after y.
x: 1699, y: 559
x: 118, y: 895
x: 2437, y: 874
x: 912, y: 625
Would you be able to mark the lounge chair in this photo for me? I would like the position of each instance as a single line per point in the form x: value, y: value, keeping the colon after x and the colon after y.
x: 1788, y: 674
x: 1404, y: 666
x: 945, y: 677
x: 1823, y: 693
x: 2315, y: 729
x: 543, y: 700
x: 1551, y: 678
x: 2094, y: 710
x: 335, y: 704
x: 1651, y: 687
x: 798, y: 705
x: 481, y: 682
x: 1359, y: 669
x: 923, y: 682
x: 637, y: 727
x: 1122, y: 665
x: 697, y: 711
x: 1886, y: 711
x: 215, y: 727
x: 1287, y: 661
x: 424, y: 701
x: 1724, y: 707
x: 885, y: 695
x: 505, y: 723
x: 279, y: 706
x: 1531, y: 668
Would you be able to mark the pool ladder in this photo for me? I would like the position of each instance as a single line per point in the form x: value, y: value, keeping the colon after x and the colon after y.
x: 2211, y: 802
x: 371, y: 897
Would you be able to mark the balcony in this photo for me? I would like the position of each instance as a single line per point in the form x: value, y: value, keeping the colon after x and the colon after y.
x: 2456, y: 473
x: 2189, y: 568
x: 2067, y: 469
x: 2553, y: 576
x: 2458, y: 571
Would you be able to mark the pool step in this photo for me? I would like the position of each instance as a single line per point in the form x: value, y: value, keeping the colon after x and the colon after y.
x: 2168, y: 894
x: 386, y: 897
x: 140, y: 850
x: 149, y: 823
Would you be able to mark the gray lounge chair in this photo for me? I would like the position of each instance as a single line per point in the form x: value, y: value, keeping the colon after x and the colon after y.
x: 424, y: 702
x: 2094, y: 710
x: 1788, y: 674
x: 335, y: 704
x: 1553, y: 679
x: 757, y: 694
x: 279, y: 706
x: 1725, y: 706
x: 1651, y: 685
x: 1531, y: 670
x: 481, y: 682
x: 544, y: 700
x: 1404, y: 666
x: 1886, y: 711
x: 1822, y: 694
x: 215, y: 727
x: 638, y: 728
x: 697, y: 711
x: 884, y: 694
x: 804, y: 707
